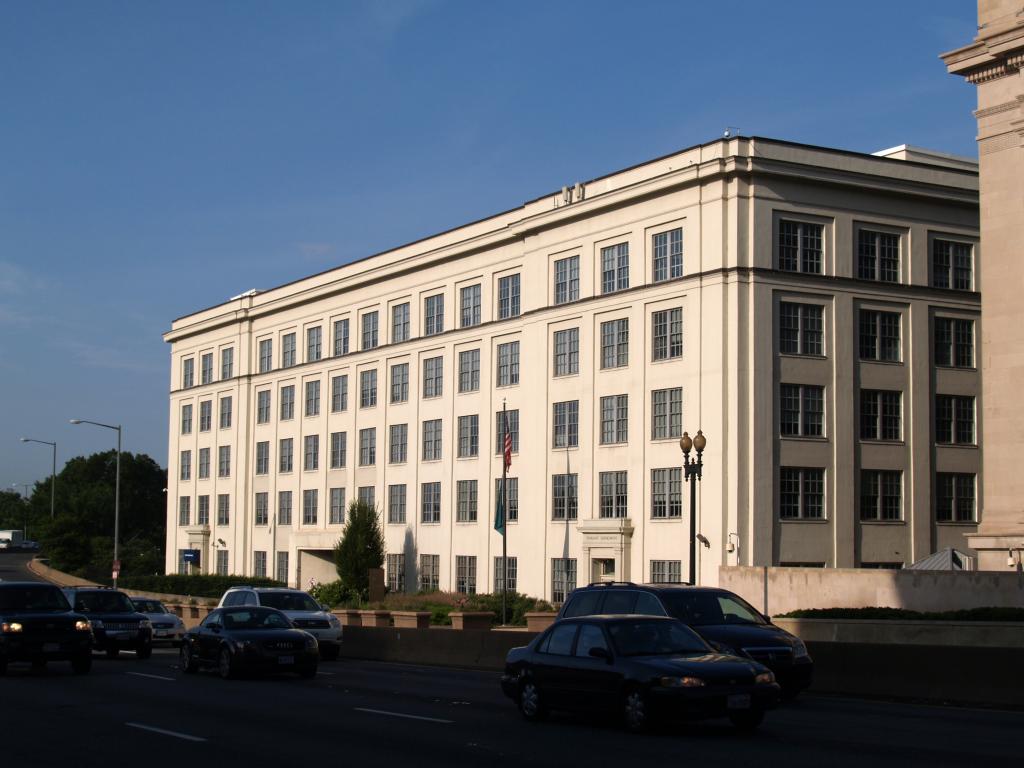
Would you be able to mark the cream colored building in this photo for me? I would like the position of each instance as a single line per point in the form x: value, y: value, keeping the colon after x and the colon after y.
x: 813, y: 311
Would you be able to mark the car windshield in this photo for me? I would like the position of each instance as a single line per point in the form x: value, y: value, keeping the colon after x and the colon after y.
x: 33, y: 598
x: 148, y: 606
x: 655, y: 638
x: 289, y: 601
x: 701, y: 609
x: 254, y: 618
x: 103, y: 602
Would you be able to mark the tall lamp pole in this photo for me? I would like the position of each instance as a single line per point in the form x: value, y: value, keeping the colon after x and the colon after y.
x: 53, y: 475
x: 692, y: 469
x: 24, y: 530
x: 117, y: 487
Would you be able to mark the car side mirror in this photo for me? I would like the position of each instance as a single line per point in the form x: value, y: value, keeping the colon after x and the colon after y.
x: 324, y: 607
x: 599, y: 653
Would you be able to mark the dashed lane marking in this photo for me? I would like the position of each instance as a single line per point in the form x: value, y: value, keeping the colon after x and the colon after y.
x: 402, y: 714
x: 152, y: 677
x: 175, y: 734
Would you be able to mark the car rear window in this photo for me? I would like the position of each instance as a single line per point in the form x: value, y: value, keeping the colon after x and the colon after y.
x: 583, y: 604
x: 622, y: 601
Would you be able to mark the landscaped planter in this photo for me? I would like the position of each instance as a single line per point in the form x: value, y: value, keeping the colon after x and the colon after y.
x: 375, y: 618
x: 539, y: 621
x: 352, y: 618
x: 474, y: 620
x: 411, y: 619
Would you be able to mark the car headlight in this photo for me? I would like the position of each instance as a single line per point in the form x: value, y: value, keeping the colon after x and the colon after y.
x: 246, y: 645
x: 310, y: 641
x: 83, y: 625
x: 333, y: 621
x: 764, y: 678
x: 96, y: 624
x: 681, y: 682
x: 799, y: 649
x: 11, y: 627
x: 145, y: 624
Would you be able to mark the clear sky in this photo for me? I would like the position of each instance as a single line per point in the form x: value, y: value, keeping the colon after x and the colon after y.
x: 159, y: 157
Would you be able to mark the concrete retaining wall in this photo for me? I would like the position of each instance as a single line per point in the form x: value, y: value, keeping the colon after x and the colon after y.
x: 439, y: 646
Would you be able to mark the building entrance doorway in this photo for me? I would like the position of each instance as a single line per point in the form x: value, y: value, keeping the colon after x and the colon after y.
x: 602, y: 569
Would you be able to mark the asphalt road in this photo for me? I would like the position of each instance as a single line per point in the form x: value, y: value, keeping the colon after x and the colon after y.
x: 14, y: 566
x: 388, y: 714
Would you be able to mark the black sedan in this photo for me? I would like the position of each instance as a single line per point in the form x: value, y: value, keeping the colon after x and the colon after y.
x: 646, y: 668
x: 249, y: 639
x: 38, y: 626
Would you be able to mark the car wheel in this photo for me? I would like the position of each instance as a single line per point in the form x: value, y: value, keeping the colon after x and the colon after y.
x: 144, y: 651
x: 635, y: 711
x: 531, y: 705
x: 224, y: 664
x: 112, y: 653
x: 81, y: 665
x: 747, y: 721
x: 308, y: 672
x: 329, y: 652
x: 189, y: 663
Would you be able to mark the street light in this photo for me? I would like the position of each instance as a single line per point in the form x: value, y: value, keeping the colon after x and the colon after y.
x: 24, y: 530
x: 692, y: 470
x: 117, y: 488
x: 53, y: 476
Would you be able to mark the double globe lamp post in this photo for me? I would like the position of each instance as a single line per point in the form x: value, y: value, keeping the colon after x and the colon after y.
x: 692, y: 470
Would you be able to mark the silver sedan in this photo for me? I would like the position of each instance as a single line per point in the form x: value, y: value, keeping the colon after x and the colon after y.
x: 167, y: 628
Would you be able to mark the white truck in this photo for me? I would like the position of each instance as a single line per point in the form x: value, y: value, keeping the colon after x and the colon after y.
x: 11, y: 539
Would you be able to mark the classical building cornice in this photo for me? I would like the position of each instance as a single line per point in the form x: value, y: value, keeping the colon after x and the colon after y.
x: 997, y: 51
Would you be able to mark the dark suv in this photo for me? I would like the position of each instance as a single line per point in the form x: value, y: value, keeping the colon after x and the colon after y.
x: 37, y: 625
x: 725, y: 620
x: 116, y: 625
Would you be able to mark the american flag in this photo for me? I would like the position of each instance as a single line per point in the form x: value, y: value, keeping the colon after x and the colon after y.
x: 508, y: 444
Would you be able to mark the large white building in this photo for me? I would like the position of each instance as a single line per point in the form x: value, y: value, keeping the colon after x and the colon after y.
x: 813, y: 311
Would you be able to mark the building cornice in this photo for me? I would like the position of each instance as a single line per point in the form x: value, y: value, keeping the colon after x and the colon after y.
x: 995, y: 53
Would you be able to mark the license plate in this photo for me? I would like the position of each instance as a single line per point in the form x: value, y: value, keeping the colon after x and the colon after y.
x: 738, y: 701
x: 285, y: 659
x: 161, y: 633
x: 51, y: 647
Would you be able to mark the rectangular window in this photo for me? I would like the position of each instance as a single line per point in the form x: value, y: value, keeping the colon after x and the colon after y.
x: 432, y: 440
x: 667, y: 492
x: 288, y: 350
x: 615, y: 343
x: 801, y: 493
x: 499, y: 431
x: 499, y: 574
x: 800, y: 246
x: 433, y: 315
x: 288, y: 402
x: 311, y: 453
x: 185, y: 464
x: 400, y: 383
x: 262, y: 509
x: 952, y: 265
x: 312, y: 398
x: 367, y: 495
x: 614, y: 419
x: 567, y: 280
x: 204, y: 463
x: 878, y: 256
x: 801, y: 410
x: 400, y: 322
x: 396, y: 504
x: 881, y: 415
x: 880, y: 336
x: 223, y: 509
x: 469, y: 306
x: 188, y: 373
x: 667, y: 413
x: 469, y: 436
x: 396, y: 573
x: 801, y: 329
x: 433, y: 377
x: 227, y: 363
x: 466, y: 501
x: 370, y: 338
x: 259, y: 564
x: 337, y: 513
x: 615, y: 268
x: 224, y: 461
x: 399, y: 444
x: 469, y: 370
x: 341, y: 337
x: 266, y: 355
x: 563, y: 577
x: 368, y: 388
x: 263, y: 407
x: 465, y: 574
x: 262, y: 457
x: 284, y: 508
x: 339, y: 450
x: 186, y: 419
x: 512, y: 487
x: 564, y: 493
x: 222, y: 562
x: 667, y: 571
x: 881, y: 494
x: 668, y: 255
x: 205, y: 415
x: 667, y: 334
x: 309, y: 505
x: 567, y: 352
x: 314, y: 344
x: 184, y: 513
x: 282, y: 567
x: 203, y: 511
x: 614, y: 499
x: 954, y: 420
x: 339, y: 393
x: 368, y: 447
x: 565, y: 424
x: 508, y: 297
x: 206, y: 368
x: 955, y: 497
x: 285, y: 455
x: 430, y: 573
x: 430, y: 501
x: 508, y: 364
x: 954, y: 342
x: 225, y: 412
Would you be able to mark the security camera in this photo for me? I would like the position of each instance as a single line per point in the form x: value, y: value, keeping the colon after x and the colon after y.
x: 703, y: 540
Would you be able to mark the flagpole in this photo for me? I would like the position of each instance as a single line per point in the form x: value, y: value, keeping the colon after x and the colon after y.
x: 504, y: 512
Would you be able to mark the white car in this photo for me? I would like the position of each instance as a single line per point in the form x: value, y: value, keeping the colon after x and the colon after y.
x: 167, y: 628
x: 305, y: 613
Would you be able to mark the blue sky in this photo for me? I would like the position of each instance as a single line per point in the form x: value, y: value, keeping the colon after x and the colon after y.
x: 157, y: 158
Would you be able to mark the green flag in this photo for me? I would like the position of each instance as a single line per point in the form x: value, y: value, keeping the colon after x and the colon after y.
x: 499, y: 514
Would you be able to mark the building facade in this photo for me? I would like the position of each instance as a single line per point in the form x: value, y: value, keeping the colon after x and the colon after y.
x: 813, y: 311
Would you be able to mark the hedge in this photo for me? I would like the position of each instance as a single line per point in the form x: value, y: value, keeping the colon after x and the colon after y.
x: 904, y: 614
x: 204, y: 585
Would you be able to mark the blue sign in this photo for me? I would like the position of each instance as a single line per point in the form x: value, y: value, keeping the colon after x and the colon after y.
x: 191, y: 556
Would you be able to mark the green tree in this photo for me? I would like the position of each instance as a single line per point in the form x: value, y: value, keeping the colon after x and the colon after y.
x: 360, y: 548
x: 13, y: 511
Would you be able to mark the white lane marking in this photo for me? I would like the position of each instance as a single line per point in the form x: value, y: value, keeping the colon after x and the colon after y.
x: 328, y: 674
x: 402, y: 714
x: 175, y: 734
x: 154, y: 677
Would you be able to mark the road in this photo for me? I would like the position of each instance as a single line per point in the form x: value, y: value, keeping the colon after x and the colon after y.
x: 14, y: 566
x: 390, y: 714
